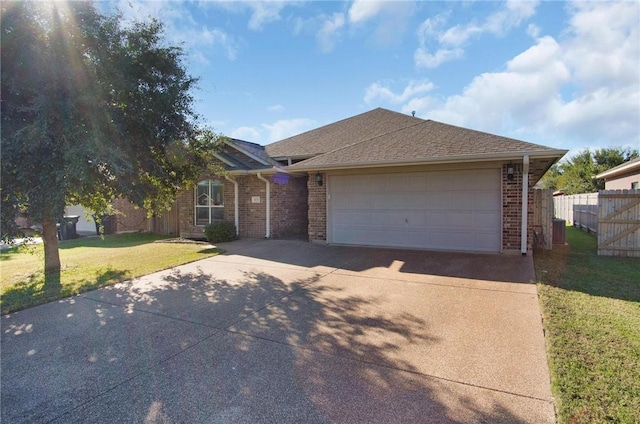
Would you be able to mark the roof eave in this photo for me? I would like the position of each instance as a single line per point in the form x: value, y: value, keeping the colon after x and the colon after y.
x: 543, y: 154
x: 265, y: 171
x: 618, y: 170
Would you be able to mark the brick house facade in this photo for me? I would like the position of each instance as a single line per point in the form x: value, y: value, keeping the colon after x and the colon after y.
x: 288, y: 207
x: 294, y: 174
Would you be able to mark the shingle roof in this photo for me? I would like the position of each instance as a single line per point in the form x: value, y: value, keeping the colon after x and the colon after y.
x: 240, y: 155
x: 408, y: 139
x: 348, y: 131
x: 252, y: 148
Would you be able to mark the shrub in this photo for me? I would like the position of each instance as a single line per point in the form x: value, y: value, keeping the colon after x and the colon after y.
x: 221, y: 231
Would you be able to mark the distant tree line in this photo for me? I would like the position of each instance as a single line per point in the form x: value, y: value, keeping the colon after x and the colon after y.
x: 577, y: 174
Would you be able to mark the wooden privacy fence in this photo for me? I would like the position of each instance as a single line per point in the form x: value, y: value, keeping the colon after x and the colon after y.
x: 542, y: 219
x: 580, y: 210
x: 619, y: 223
x: 168, y: 223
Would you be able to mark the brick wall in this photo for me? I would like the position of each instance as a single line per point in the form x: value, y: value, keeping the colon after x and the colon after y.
x: 288, y: 208
x: 289, y: 211
x: 252, y: 215
x: 512, y: 209
x: 317, y: 208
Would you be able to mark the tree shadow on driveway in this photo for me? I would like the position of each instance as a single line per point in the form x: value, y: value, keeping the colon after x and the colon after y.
x: 238, y: 345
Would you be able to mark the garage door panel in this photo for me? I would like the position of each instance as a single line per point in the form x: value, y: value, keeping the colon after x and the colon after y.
x: 484, y: 222
x: 486, y: 201
x: 378, y: 201
x: 437, y: 219
x: 480, y: 181
x: 462, y: 221
x: 450, y: 210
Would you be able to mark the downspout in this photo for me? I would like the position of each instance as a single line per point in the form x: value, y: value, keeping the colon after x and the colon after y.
x: 236, y: 219
x: 268, y: 205
x: 525, y: 199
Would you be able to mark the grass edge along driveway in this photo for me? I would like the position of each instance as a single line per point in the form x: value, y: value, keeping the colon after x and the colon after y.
x: 591, y: 316
x: 87, y: 264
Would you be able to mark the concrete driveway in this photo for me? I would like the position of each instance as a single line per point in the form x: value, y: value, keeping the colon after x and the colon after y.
x: 289, y: 331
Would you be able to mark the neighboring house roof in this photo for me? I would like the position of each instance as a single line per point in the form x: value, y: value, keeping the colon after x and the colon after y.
x: 406, y: 140
x: 625, y: 168
x: 343, y: 133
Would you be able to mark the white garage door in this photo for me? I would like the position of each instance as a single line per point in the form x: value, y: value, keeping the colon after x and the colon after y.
x: 446, y: 210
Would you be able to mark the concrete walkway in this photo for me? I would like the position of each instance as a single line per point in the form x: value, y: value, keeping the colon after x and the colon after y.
x: 288, y: 331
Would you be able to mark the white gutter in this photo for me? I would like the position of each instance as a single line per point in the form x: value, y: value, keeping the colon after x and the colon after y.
x: 484, y: 157
x: 525, y: 198
x: 235, y: 203
x: 268, y: 205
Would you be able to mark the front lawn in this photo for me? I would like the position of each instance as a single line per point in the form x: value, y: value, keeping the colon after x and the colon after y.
x: 591, y: 311
x: 87, y: 264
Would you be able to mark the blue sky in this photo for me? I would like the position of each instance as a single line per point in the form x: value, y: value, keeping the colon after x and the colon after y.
x: 562, y: 74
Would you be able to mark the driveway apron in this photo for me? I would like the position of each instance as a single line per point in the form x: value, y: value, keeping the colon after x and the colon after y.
x: 289, y: 331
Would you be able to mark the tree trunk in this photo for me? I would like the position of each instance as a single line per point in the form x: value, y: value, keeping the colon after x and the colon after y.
x: 51, y: 253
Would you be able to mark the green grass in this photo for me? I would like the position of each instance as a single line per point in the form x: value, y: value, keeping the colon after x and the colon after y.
x: 591, y: 311
x: 87, y: 264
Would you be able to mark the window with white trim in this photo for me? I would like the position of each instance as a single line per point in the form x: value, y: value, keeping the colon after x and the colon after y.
x: 209, y: 198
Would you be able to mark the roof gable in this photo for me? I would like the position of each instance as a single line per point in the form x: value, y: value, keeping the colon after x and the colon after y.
x: 340, y: 134
x: 243, y: 155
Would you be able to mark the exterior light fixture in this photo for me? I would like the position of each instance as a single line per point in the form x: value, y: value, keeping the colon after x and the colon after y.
x: 319, y: 179
x: 510, y: 168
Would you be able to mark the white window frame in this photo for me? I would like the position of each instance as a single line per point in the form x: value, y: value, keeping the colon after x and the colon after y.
x: 209, y: 207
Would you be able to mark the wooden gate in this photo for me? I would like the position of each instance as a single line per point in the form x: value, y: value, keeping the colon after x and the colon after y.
x: 168, y: 224
x: 619, y: 223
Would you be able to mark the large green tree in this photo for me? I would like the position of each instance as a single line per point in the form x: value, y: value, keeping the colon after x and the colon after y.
x: 577, y: 174
x: 91, y: 110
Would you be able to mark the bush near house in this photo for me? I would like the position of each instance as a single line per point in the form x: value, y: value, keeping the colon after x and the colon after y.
x: 220, y: 232
x: 591, y: 312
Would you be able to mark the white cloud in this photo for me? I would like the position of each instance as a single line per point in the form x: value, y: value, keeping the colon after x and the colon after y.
x: 419, y: 104
x: 510, y: 16
x: 180, y: 27
x: 451, y: 41
x: 583, y: 88
x: 247, y: 134
x: 363, y: 10
x: 424, y: 59
x: 524, y: 93
x: 215, y: 37
x: 288, y: 127
x: 390, y: 18
x: 430, y: 28
x: 604, y: 47
x: 264, y: 12
x: 459, y: 34
x: 533, y: 30
x: 275, y: 108
x: 329, y: 33
x: 378, y: 92
x: 513, y: 15
x: 261, y: 12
